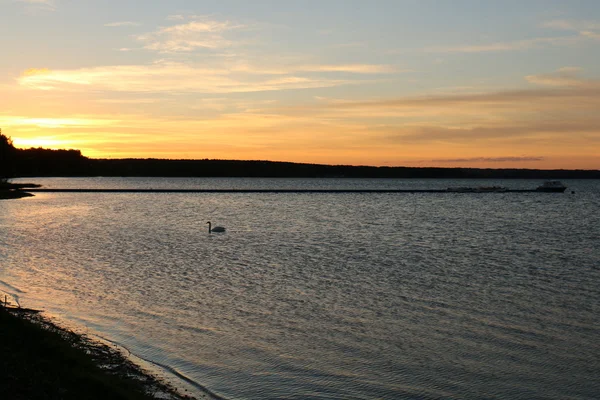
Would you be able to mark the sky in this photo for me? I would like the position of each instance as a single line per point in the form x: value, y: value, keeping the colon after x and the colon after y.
x: 447, y: 83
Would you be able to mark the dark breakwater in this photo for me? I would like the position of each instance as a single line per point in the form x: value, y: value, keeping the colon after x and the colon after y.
x: 275, y: 191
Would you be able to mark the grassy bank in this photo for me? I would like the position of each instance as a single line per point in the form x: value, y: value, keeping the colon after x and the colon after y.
x: 39, y: 360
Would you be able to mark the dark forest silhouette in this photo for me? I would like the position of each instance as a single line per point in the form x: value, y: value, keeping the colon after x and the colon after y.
x: 40, y: 162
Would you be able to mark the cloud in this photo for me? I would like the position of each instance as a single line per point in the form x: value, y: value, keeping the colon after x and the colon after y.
x: 556, y: 118
x: 167, y: 77
x: 122, y: 23
x: 571, y: 25
x: 507, y: 46
x: 487, y: 159
x: 560, y: 114
x: 42, y: 2
x: 352, y: 68
x: 39, y: 5
x: 586, y: 29
x: 367, y: 69
x: 36, y: 71
x: 350, y: 45
x: 582, y: 31
x: 478, y: 102
x: 216, y: 76
x: 190, y: 36
x: 566, y: 77
x: 55, y: 123
x: 531, y: 130
x: 590, y: 34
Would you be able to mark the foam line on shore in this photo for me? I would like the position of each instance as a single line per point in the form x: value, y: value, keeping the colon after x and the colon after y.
x: 165, y: 367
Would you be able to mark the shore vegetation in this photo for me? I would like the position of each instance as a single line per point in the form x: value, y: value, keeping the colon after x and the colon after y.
x: 40, y: 360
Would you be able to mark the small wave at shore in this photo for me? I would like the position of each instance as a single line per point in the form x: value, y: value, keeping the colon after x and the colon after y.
x: 170, y: 371
x: 10, y: 293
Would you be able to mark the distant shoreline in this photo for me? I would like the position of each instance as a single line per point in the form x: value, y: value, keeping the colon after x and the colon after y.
x: 40, y: 162
x: 71, y: 163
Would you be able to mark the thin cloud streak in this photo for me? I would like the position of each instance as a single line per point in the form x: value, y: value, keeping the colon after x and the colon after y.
x: 571, y: 25
x: 487, y: 159
x: 517, y: 45
x: 39, y: 5
x: 566, y: 76
x: 122, y: 23
x: 353, y: 68
x: 178, y: 77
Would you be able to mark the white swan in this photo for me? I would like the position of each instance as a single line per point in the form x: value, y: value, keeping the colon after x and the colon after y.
x: 215, y: 229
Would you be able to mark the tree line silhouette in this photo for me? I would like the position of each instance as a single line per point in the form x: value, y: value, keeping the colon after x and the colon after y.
x: 40, y: 162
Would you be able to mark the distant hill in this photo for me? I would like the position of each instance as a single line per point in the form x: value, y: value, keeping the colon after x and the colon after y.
x: 37, y: 162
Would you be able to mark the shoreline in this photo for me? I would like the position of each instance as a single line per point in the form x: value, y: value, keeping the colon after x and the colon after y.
x: 42, y: 358
x: 15, y: 190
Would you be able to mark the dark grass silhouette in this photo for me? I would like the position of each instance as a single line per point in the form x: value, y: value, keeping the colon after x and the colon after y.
x: 42, y: 361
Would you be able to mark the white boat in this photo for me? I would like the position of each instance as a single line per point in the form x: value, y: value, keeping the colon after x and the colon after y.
x: 551, y: 186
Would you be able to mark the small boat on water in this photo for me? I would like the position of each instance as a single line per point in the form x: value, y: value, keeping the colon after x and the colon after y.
x: 552, y: 186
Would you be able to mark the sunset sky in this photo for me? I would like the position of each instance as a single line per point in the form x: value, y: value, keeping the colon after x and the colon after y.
x: 476, y: 83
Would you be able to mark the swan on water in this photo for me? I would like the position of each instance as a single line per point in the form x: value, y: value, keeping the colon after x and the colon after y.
x: 215, y: 229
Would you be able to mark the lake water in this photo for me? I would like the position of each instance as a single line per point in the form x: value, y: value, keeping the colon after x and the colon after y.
x: 323, y: 296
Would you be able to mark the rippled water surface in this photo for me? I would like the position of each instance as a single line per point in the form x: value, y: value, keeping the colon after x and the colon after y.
x: 324, y: 296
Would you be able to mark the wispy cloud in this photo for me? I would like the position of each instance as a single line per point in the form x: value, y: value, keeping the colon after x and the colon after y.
x: 590, y: 34
x: 55, y: 123
x: 353, y: 68
x: 506, y: 46
x: 563, y: 77
x: 366, y: 69
x: 487, y: 159
x: 531, y: 130
x: 351, y: 45
x: 39, y: 5
x: 477, y: 103
x: 176, y: 17
x: 515, y: 118
x: 168, y: 77
x: 122, y: 23
x: 585, y: 29
x: 571, y: 25
x: 481, y: 128
x: 190, y: 36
